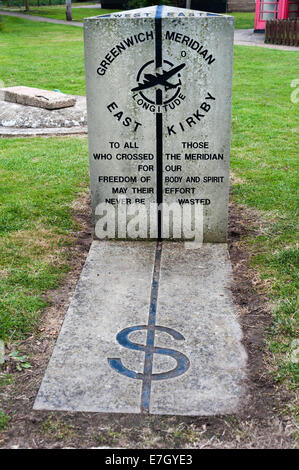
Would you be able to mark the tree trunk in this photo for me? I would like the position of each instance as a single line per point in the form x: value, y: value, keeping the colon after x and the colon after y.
x: 68, y: 11
x: 188, y: 4
x: 26, y: 5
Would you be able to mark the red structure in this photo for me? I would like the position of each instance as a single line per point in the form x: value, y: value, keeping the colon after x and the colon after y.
x: 274, y: 10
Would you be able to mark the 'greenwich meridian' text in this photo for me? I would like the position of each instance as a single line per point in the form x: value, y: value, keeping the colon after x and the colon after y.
x: 147, y: 35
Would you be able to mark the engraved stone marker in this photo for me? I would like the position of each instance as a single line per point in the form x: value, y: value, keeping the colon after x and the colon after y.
x: 152, y: 327
x: 159, y: 110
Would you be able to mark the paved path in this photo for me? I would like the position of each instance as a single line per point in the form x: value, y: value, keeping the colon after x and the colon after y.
x: 243, y: 37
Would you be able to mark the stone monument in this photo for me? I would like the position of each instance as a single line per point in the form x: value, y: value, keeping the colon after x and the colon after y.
x: 158, y: 84
x: 152, y: 327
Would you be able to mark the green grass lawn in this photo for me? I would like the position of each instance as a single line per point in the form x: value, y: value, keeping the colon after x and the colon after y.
x: 41, y: 177
x: 243, y: 20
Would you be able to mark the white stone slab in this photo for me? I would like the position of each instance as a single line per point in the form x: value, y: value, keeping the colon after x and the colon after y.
x: 113, y: 293
x: 158, y: 86
x: 36, y: 97
x: 195, y: 299
x: 18, y: 116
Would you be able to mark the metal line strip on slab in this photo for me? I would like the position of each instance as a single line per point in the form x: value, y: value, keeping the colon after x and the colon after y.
x: 159, y: 118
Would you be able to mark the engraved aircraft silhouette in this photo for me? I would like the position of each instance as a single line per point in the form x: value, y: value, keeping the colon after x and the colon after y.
x: 159, y: 79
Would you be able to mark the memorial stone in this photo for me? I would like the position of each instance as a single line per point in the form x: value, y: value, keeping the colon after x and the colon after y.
x: 159, y: 113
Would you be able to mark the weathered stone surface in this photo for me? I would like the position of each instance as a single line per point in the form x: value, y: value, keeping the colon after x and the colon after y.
x: 159, y: 106
x: 114, y: 293
x: 36, y: 97
x: 18, y: 116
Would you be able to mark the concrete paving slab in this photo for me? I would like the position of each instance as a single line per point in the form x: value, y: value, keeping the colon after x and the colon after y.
x: 18, y: 119
x: 150, y: 329
x: 37, y: 97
